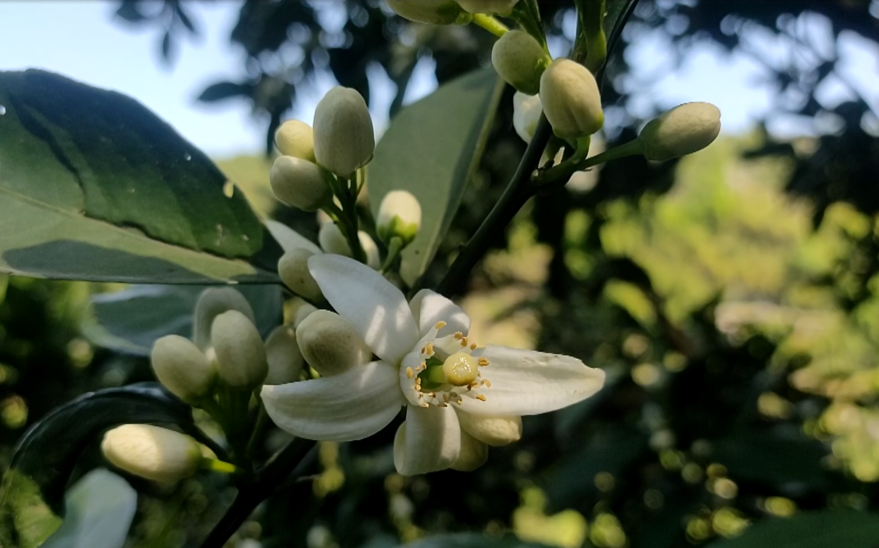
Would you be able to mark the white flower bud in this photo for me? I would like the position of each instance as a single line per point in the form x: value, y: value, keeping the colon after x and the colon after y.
x: 299, y: 183
x: 344, y: 139
x: 182, y: 368
x: 284, y: 357
x: 473, y: 454
x: 398, y: 215
x: 432, y: 12
x: 571, y: 100
x: 302, y: 312
x: 295, y: 138
x: 526, y: 114
x: 682, y: 130
x: 373, y: 260
x: 211, y: 303
x: 520, y: 60
x: 333, y: 241
x: 293, y: 270
x: 330, y: 344
x: 241, y: 355
x: 494, y: 431
x: 151, y: 452
x: 500, y: 7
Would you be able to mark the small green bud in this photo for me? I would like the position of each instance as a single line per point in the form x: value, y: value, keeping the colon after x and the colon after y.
x: 151, y: 452
x: 399, y: 215
x: 495, y: 431
x: 241, y: 355
x: 293, y: 270
x: 330, y: 344
x: 683, y: 130
x: 571, y: 100
x: 499, y: 7
x: 432, y: 12
x: 211, y: 303
x: 520, y: 60
x: 284, y: 357
x: 344, y: 139
x: 473, y: 454
x: 299, y: 183
x: 182, y: 368
x: 295, y: 138
x: 333, y: 241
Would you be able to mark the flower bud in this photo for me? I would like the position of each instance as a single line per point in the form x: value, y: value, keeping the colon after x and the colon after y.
x: 284, y: 357
x: 520, y: 60
x: 526, y: 114
x: 241, y: 356
x: 432, y: 12
x: 304, y: 311
x: 473, y: 454
x: 299, y: 183
x: 344, y: 139
x: 211, y: 303
x: 151, y: 452
x: 371, y: 249
x: 571, y: 100
x: 333, y: 241
x: 494, y: 431
x: 293, y: 270
x: 330, y: 344
x: 682, y: 130
x: 399, y: 215
x: 295, y: 138
x: 182, y: 368
x: 500, y: 7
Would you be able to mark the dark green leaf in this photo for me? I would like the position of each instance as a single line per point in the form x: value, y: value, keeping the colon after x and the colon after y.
x: 617, y: 13
x: 826, y: 529
x: 431, y: 149
x: 131, y: 320
x: 96, y: 187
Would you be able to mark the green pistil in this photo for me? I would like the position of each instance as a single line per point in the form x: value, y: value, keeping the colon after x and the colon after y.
x: 432, y: 377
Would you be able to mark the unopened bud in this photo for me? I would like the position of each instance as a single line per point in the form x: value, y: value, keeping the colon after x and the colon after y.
x: 373, y: 260
x: 344, y: 139
x: 151, y: 452
x: 526, y: 114
x: 571, y: 100
x: 295, y: 138
x: 333, y: 241
x: 432, y: 12
x: 330, y: 344
x: 473, y: 454
x: 304, y: 311
x: 520, y: 60
x: 683, y: 130
x: 500, y: 7
x: 299, y: 183
x: 211, y: 303
x: 293, y: 270
x: 182, y: 368
x: 399, y: 215
x: 495, y: 431
x: 241, y: 355
x: 283, y: 355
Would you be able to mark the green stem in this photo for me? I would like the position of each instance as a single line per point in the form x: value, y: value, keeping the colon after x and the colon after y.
x: 490, y: 24
x: 592, y: 18
x: 262, y: 422
x: 220, y: 466
x: 394, y: 249
x: 564, y: 170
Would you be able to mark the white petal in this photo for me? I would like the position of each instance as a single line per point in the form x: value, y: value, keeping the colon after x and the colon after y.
x: 376, y: 309
x: 429, y: 440
x: 346, y: 407
x: 289, y: 239
x: 430, y: 307
x: 525, y: 382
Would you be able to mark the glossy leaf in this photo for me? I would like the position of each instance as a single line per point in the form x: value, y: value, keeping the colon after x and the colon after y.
x: 825, y: 529
x: 94, y: 186
x: 130, y: 321
x: 431, y: 149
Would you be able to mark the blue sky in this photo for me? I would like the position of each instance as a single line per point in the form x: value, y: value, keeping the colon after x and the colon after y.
x: 82, y: 41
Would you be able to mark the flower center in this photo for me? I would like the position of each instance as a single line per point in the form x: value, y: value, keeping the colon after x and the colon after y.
x: 460, y: 369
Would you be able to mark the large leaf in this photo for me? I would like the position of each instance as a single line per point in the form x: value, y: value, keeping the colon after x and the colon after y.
x: 94, y: 186
x: 825, y: 529
x: 431, y: 149
x: 46, y: 455
x: 131, y: 320
x: 99, y: 510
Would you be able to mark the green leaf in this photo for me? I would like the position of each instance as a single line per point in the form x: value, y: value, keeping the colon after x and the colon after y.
x: 99, y: 509
x: 94, y: 186
x: 471, y: 540
x: 130, y: 321
x: 431, y: 149
x: 616, y: 14
x: 825, y: 529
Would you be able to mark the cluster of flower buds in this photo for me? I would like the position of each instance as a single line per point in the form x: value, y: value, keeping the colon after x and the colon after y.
x: 449, y: 12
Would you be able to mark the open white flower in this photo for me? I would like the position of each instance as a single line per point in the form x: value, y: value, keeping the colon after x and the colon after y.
x: 427, y: 363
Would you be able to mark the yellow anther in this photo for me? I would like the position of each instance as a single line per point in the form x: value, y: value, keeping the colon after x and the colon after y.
x: 463, y: 342
x: 443, y: 404
x: 486, y: 383
x: 429, y: 348
x: 482, y: 361
x: 480, y: 397
x: 458, y: 335
x: 423, y: 350
x: 460, y: 369
x: 409, y: 373
x: 439, y: 325
x: 425, y: 404
x: 472, y: 346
